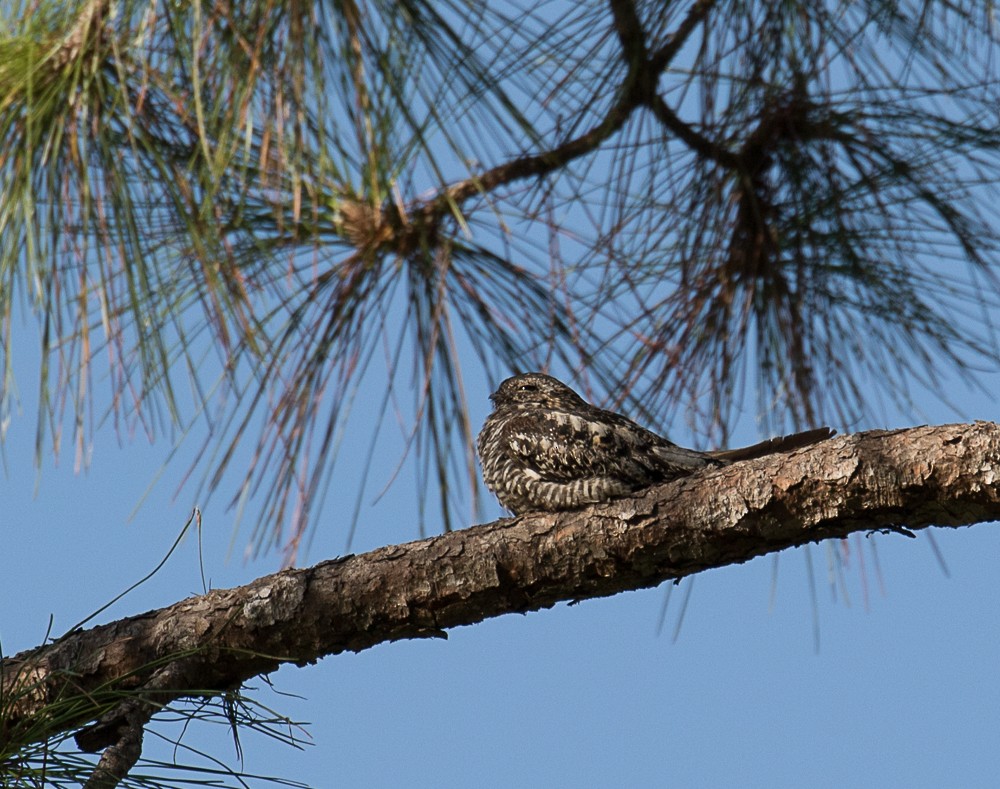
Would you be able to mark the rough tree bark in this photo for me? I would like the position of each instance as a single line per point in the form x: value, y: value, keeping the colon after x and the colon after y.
x: 897, y: 481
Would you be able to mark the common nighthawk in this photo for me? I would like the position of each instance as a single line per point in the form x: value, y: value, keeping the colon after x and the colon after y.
x: 544, y: 449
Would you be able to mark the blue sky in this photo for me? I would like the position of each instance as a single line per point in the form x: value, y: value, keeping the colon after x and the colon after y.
x: 902, y: 693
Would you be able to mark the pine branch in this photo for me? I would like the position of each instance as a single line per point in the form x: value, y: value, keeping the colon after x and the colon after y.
x: 637, y: 89
x: 893, y: 481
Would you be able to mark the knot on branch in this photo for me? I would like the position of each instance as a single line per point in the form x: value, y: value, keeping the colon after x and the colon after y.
x: 389, y: 229
x: 89, y: 34
x: 765, y: 161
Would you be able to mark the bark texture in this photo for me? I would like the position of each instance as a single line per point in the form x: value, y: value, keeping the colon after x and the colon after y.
x: 897, y: 480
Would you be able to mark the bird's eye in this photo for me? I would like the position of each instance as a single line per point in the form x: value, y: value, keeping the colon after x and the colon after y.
x: 529, y: 387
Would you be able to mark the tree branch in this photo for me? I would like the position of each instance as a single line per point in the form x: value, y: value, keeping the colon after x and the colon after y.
x: 944, y: 476
x: 121, y: 755
x: 694, y: 140
x: 642, y: 73
x: 662, y: 57
x: 648, y: 68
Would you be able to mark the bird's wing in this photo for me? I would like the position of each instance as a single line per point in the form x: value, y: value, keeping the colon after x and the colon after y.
x: 561, y: 446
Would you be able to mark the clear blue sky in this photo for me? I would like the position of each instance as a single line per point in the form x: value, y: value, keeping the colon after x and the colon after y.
x: 905, y: 693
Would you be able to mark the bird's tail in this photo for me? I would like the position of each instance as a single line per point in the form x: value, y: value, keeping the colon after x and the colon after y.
x: 774, y: 445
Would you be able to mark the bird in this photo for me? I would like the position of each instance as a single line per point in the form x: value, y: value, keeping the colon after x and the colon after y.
x: 544, y: 448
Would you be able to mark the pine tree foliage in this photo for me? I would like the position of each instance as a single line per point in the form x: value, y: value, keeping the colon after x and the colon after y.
x: 239, y: 217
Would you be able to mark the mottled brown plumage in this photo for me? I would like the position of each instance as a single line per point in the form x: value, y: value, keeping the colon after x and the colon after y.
x: 544, y: 449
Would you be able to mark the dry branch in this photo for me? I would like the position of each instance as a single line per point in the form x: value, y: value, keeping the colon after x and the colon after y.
x: 636, y: 89
x: 900, y: 480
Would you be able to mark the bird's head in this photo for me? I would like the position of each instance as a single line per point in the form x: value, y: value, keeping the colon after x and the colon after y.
x: 535, y: 389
